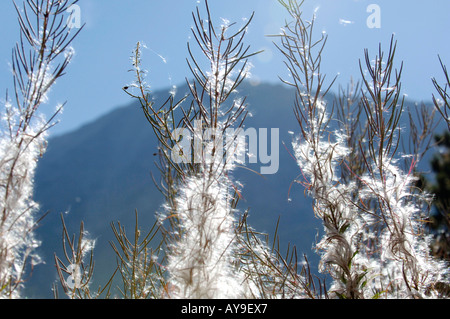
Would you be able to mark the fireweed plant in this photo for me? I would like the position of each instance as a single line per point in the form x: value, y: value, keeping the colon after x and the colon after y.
x: 200, y: 259
x: 211, y: 250
x: 442, y: 102
x: 373, y: 245
x: 39, y: 59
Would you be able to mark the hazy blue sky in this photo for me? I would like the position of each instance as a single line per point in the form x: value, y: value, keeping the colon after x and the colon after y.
x: 94, y: 80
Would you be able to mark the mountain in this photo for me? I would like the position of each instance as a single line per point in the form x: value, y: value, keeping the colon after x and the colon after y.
x: 101, y: 173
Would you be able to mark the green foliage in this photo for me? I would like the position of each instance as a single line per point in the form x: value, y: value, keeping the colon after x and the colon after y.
x: 440, y: 219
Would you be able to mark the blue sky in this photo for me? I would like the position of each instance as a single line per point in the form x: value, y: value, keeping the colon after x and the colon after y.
x: 92, y: 86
